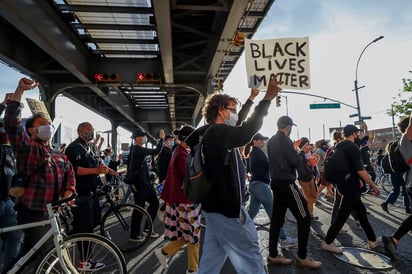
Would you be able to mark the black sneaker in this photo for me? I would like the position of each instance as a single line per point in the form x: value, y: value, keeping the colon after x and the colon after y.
x: 389, y: 246
x: 90, y: 265
x: 408, y: 210
x: 385, y: 207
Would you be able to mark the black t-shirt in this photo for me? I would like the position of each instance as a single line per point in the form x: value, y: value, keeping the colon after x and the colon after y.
x: 81, y: 154
x: 354, y: 158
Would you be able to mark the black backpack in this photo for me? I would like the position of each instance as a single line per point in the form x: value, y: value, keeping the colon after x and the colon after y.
x: 336, y: 166
x: 7, y: 169
x: 393, y: 161
x: 195, y: 184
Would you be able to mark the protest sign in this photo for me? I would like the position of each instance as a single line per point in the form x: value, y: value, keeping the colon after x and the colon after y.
x: 287, y: 58
x: 37, y: 106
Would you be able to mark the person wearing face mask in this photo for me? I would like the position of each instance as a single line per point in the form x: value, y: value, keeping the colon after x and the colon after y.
x: 351, y: 191
x: 88, y: 167
x: 307, y: 180
x: 163, y: 159
x: 111, y: 163
x: 230, y: 231
x: 143, y: 190
x: 50, y: 173
x: 283, y: 161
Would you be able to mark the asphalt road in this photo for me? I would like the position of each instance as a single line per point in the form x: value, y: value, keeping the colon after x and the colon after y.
x: 143, y: 261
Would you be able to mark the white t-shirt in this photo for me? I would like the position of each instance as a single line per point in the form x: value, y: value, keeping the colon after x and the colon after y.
x: 406, y: 150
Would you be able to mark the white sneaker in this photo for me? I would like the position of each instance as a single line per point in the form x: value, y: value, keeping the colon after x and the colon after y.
x: 162, y: 258
x: 372, y: 245
x: 330, y: 247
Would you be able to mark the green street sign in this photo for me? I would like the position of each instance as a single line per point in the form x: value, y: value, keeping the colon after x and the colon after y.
x: 327, y: 105
x: 366, y: 117
x: 353, y: 115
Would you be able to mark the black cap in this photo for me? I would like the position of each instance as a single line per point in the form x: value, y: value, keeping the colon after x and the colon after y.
x: 138, y: 132
x: 184, y: 132
x: 348, y: 130
x: 285, y: 121
x: 259, y: 136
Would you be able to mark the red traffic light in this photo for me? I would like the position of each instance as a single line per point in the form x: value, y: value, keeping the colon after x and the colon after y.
x: 107, y: 77
x: 147, y: 77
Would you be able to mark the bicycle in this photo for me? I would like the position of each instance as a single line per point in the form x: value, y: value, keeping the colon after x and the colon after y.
x: 67, y: 252
x: 116, y: 222
x: 383, y: 180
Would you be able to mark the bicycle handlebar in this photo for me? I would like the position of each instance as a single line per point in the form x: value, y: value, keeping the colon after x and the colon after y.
x: 64, y: 201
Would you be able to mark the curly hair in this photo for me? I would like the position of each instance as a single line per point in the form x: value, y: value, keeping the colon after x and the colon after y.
x: 214, y: 103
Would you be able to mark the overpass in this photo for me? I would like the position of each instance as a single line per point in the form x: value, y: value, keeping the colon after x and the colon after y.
x: 93, y: 51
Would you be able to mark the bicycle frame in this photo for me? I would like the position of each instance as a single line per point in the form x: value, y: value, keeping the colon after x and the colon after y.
x: 54, y: 232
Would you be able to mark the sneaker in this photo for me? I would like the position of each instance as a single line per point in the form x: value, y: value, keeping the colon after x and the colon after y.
x: 385, y: 207
x: 331, y: 247
x: 153, y: 235
x: 372, y: 245
x: 162, y: 258
x: 288, y: 242
x: 279, y: 259
x: 408, y: 210
x: 90, y: 265
x: 138, y: 239
x: 389, y: 246
x: 308, y: 263
x: 193, y: 272
x: 314, y: 219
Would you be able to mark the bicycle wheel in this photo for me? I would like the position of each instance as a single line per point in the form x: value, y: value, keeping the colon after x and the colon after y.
x: 386, y: 184
x: 87, y: 247
x: 117, y: 224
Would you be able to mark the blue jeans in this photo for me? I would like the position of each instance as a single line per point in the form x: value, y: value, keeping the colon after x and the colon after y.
x: 11, y: 240
x: 233, y: 238
x: 261, y: 194
x: 398, y: 182
x: 127, y: 194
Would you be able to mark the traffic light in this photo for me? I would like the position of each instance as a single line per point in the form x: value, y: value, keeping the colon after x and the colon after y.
x: 278, y: 101
x: 107, y: 78
x: 148, y: 77
x: 239, y: 39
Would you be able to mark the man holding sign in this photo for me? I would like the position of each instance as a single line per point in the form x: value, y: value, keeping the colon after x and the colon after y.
x: 288, y: 58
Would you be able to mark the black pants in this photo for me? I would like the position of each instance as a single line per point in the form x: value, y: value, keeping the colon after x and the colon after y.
x: 351, y: 200
x: 404, y: 228
x: 144, y: 194
x: 287, y: 195
x: 86, y: 215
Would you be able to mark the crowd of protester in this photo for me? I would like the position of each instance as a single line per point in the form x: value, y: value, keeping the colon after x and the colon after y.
x: 281, y: 174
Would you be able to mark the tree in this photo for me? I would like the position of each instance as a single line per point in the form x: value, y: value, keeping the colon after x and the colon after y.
x: 402, y: 107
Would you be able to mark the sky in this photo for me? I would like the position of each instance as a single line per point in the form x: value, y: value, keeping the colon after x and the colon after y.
x: 338, y: 31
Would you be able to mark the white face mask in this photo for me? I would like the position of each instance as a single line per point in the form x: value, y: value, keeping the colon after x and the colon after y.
x: 45, y: 132
x: 232, y: 119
